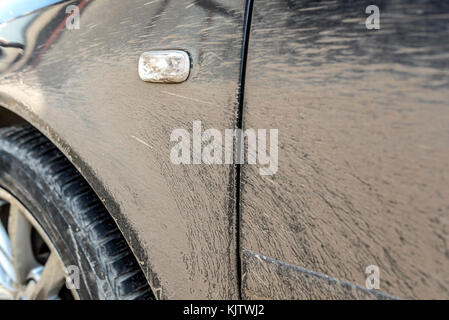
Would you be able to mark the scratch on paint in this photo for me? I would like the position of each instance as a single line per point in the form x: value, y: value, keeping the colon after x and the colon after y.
x: 190, y: 5
x: 141, y: 141
x: 145, y: 4
x: 184, y: 97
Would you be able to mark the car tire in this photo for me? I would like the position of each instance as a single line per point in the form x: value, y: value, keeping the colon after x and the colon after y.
x: 64, y: 205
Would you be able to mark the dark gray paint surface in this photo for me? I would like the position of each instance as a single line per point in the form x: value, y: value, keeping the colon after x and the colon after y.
x: 81, y: 88
x: 363, y: 148
x: 362, y: 118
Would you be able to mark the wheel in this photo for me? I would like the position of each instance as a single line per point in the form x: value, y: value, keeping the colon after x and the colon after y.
x: 57, y: 240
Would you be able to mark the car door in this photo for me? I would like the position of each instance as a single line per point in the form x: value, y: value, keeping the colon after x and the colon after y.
x: 358, y: 207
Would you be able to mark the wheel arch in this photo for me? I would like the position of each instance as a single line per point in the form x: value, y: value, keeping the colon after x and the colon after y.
x: 13, y: 112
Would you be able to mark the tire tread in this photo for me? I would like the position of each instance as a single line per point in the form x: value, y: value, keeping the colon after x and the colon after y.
x: 118, y: 262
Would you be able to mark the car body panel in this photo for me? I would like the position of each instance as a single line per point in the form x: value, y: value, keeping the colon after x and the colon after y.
x: 81, y: 88
x: 363, y: 150
x: 362, y: 118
